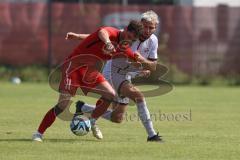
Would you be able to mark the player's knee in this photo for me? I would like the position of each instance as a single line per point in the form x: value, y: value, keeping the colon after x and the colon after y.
x: 118, y: 118
x: 62, y: 110
x: 62, y: 105
x: 111, y: 94
x: 57, y: 110
x: 137, y: 96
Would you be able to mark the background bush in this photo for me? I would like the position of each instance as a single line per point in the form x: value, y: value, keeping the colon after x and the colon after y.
x: 173, y: 75
x: 26, y: 74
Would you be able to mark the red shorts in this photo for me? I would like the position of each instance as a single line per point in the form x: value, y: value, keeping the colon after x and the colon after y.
x: 84, y: 77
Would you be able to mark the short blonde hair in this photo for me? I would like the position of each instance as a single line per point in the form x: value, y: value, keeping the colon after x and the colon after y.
x: 150, y: 16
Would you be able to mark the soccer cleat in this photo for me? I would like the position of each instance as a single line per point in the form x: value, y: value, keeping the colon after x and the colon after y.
x: 155, y: 138
x: 79, y: 105
x: 96, y: 132
x: 37, y: 137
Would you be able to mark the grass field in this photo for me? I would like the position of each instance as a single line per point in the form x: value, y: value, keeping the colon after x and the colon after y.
x: 212, y: 131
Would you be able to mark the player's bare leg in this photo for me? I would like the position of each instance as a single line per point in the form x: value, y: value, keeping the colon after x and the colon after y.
x: 63, y: 102
x: 129, y: 90
x: 115, y: 114
x: 108, y: 93
x: 118, y: 112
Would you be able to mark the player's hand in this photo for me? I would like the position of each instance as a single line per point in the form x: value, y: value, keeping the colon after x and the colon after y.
x: 109, y: 48
x: 71, y: 35
x: 145, y: 73
x: 137, y: 65
x: 147, y: 64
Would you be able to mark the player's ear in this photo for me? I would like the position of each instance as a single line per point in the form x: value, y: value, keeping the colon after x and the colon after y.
x: 124, y: 33
x: 125, y: 29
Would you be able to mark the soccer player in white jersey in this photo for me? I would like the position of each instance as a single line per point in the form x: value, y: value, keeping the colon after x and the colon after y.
x: 118, y: 71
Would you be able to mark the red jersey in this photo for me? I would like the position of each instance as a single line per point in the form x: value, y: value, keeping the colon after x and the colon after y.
x: 93, y: 45
x: 82, y: 67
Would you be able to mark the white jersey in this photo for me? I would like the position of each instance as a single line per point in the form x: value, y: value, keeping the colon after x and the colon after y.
x: 115, y: 71
x: 147, y: 48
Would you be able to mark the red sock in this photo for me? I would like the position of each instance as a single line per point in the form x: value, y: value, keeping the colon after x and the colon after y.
x: 47, y: 121
x: 101, y: 107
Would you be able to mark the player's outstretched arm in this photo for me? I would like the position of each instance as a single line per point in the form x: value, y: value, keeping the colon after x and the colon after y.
x: 147, y: 64
x: 104, y: 36
x: 75, y: 36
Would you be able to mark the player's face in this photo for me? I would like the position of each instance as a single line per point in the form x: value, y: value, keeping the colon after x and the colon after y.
x: 148, y: 28
x: 129, y: 37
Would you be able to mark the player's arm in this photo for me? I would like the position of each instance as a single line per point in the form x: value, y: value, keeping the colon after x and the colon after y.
x: 140, y: 61
x: 75, y: 36
x: 153, y: 56
x: 145, y: 73
x: 146, y: 63
x: 142, y: 73
x: 104, y: 36
x: 151, y: 62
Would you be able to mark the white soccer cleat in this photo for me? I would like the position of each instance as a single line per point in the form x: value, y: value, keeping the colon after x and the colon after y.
x: 96, y: 132
x: 37, y: 137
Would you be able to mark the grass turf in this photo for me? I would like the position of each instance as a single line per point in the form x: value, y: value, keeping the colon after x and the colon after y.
x: 211, y: 131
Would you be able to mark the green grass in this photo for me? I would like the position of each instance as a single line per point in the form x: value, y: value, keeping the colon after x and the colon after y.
x: 212, y: 133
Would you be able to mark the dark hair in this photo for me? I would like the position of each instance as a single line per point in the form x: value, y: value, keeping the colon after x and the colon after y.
x: 135, y: 26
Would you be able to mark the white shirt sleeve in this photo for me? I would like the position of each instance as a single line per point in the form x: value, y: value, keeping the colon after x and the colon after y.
x: 154, y: 47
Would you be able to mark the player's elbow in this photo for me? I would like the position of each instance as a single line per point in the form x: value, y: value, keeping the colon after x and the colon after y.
x: 151, y: 65
x: 117, y: 117
x: 102, y: 33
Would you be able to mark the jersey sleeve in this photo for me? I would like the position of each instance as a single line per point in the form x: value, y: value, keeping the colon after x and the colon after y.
x: 130, y: 54
x: 113, y: 32
x: 127, y: 53
x: 153, y: 51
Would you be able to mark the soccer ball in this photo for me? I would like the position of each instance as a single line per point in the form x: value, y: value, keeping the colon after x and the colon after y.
x: 80, y: 125
x: 15, y: 80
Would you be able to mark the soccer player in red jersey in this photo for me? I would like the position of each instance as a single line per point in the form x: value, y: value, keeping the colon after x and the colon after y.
x: 119, y: 73
x: 82, y: 70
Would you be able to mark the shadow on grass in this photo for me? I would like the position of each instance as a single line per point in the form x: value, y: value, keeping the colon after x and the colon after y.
x: 71, y: 140
x: 50, y: 140
x: 15, y: 140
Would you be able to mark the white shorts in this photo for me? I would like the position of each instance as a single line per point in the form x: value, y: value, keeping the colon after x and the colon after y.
x: 116, y: 80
